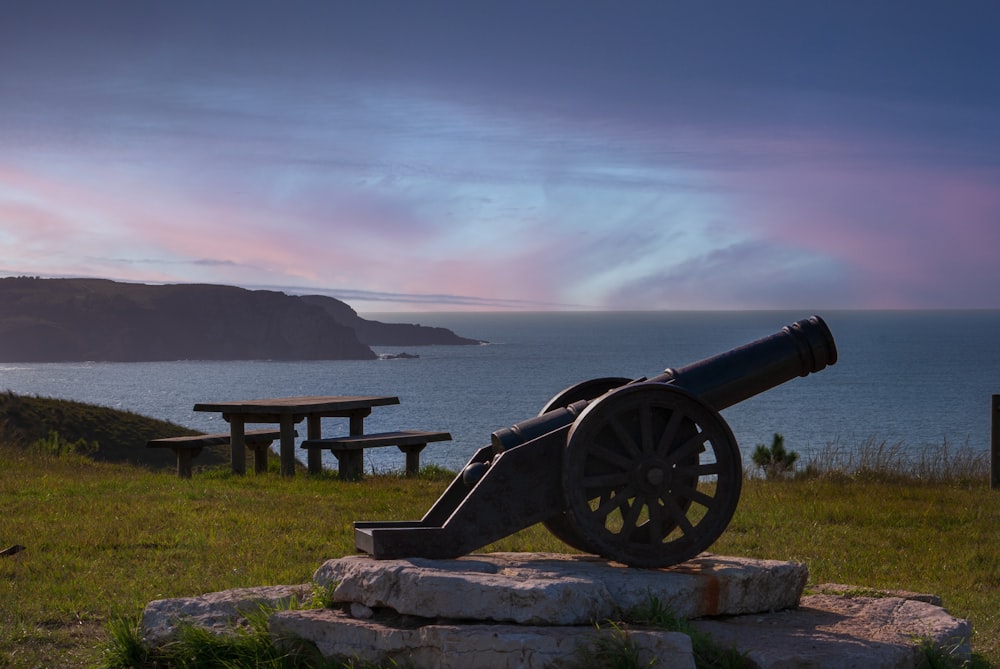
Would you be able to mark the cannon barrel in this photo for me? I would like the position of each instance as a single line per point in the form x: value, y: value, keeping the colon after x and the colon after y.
x: 799, y: 349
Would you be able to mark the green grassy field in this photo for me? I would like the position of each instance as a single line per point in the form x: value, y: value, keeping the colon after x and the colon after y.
x: 103, y: 539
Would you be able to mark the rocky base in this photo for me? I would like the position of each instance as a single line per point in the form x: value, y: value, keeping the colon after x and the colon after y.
x: 545, y: 610
x: 461, y: 645
x: 835, y: 631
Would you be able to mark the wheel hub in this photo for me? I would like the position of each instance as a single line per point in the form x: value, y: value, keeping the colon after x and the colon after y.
x: 652, y: 476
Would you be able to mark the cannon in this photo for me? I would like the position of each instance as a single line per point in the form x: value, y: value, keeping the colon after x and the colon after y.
x: 644, y: 472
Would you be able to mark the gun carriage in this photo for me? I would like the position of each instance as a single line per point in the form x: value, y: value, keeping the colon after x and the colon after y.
x: 640, y: 471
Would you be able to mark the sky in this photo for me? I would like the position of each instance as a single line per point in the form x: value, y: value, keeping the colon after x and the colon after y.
x: 414, y: 155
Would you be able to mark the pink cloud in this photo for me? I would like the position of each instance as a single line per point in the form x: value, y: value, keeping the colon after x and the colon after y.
x: 136, y: 231
x: 913, y: 235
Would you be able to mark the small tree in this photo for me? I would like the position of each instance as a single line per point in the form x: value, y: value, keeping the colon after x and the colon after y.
x: 775, y: 461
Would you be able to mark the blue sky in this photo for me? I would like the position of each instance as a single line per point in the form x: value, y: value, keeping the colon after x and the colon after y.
x: 509, y: 155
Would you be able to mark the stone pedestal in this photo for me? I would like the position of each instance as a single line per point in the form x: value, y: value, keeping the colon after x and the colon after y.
x: 530, y: 610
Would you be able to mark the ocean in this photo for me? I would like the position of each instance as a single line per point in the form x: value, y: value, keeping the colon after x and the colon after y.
x: 916, y: 378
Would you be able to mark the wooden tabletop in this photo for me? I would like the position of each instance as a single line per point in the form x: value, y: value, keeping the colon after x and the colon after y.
x: 298, y: 405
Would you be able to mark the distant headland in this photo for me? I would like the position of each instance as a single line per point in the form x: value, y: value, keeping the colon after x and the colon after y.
x: 74, y: 320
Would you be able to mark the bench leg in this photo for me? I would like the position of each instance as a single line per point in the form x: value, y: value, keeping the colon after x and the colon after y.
x: 287, y: 445
x: 412, y: 458
x: 184, y: 457
x: 260, y: 452
x: 237, y: 445
x: 314, y: 459
x: 350, y: 464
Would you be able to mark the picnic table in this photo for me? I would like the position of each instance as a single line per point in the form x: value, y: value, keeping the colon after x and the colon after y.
x: 286, y: 412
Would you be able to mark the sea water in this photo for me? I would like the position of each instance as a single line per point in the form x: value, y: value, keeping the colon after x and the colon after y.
x: 918, y: 378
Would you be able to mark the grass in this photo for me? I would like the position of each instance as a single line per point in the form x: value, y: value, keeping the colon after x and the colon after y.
x: 104, y: 539
x: 707, y: 653
x: 885, y: 462
x: 613, y: 649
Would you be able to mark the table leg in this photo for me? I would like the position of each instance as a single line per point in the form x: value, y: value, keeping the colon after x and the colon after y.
x: 315, y: 457
x: 288, y: 445
x: 358, y: 422
x: 238, y: 444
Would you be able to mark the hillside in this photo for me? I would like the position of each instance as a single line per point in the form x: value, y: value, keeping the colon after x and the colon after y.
x: 99, y: 432
x: 67, y: 320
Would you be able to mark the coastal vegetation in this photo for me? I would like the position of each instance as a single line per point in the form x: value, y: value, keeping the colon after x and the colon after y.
x: 58, y: 426
x: 101, y: 539
x: 774, y: 460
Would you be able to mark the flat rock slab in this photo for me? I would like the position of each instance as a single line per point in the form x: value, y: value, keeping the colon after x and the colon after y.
x: 557, y: 589
x: 831, y: 631
x: 460, y: 646
x: 220, y: 612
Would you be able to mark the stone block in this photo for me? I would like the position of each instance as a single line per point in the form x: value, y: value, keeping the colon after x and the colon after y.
x: 459, y: 646
x: 219, y: 612
x: 837, y: 632
x: 557, y: 589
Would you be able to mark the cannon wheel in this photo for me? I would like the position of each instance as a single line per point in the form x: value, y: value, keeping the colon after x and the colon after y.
x: 559, y: 525
x: 651, y: 475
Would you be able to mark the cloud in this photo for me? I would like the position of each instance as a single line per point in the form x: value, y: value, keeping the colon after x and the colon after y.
x: 496, y: 155
x: 911, y: 236
x: 747, y: 275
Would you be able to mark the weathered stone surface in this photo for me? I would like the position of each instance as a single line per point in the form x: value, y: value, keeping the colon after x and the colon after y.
x: 556, y: 589
x: 454, y: 646
x: 836, y: 628
x: 856, y: 591
x: 835, y: 632
x: 219, y: 612
x: 361, y: 611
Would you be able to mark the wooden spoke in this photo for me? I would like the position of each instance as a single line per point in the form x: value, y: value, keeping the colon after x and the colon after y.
x: 625, y: 440
x: 669, y: 436
x: 606, y: 480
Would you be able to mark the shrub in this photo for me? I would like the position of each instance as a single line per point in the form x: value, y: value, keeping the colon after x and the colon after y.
x: 775, y: 461
x: 56, y: 444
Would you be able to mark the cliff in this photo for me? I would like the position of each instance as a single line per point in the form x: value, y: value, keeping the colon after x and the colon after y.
x: 54, y: 320
x: 376, y: 333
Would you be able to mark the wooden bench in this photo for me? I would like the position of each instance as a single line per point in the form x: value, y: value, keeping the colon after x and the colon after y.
x: 349, y: 451
x: 187, y: 448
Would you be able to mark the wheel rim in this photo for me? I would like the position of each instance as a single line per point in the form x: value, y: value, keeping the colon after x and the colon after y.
x: 585, y: 390
x: 651, y: 475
